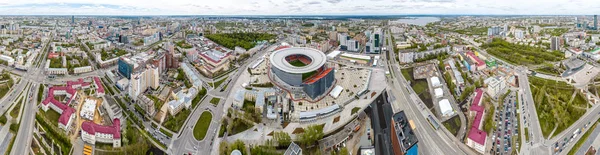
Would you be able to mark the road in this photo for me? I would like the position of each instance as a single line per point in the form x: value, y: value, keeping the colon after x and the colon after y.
x: 24, y: 136
x: 431, y: 141
x: 184, y: 142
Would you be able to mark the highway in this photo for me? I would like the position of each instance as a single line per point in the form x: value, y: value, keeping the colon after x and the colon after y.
x: 24, y: 136
x: 431, y: 141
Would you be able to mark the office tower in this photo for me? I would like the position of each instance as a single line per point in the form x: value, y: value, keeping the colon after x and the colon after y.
x: 72, y: 19
x: 555, y: 43
x: 595, y: 22
x: 376, y: 40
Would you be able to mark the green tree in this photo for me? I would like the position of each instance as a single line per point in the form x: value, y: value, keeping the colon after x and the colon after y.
x: 344, y: 151
x: 311, y: 134
x: 282, y: 138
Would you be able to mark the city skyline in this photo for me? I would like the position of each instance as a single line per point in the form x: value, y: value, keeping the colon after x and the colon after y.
x: 302, y: 7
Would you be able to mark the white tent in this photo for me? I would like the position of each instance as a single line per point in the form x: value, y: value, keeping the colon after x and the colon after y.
x: 439, y: 92
x: 335, y: 93
x: 445, y: 107
x: 435, y: 81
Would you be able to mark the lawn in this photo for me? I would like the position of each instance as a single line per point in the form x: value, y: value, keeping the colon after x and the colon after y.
x: 453, y: 125
x: 40, y: 93
x: 355, y: 110
x: 51, y: 115
x: 202, y: 125
x: 297, y: 63
x: 215, y: 101
x: 555, y: 105
x: 216, y: 84
x: 174, y: 123
x: 15, y: 111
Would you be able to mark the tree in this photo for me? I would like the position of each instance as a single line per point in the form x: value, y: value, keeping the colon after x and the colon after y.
x: 344, y: 151
x: 224, y: 148
x: 311, y: 134
x: 282, y: 138
x: 238, y: 145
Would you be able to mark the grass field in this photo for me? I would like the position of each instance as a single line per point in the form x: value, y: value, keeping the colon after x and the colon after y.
x: 297, y: 63
x: 202, y: 125
x: 215, y: 101
x: 217, y: 83
x: 52, y: 116
x: 558, y: 104
x: 355, y: 110
x: 452, y: 124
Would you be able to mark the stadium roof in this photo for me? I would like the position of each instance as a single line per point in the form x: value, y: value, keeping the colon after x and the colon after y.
x: 278, y: 59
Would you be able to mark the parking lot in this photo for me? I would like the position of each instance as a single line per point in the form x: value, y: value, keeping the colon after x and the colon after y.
x: 504, y: 137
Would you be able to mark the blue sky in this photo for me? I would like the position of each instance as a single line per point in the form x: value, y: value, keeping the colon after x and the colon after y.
x: 297, y: 7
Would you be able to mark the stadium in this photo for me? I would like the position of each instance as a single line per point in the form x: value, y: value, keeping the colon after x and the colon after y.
x: 300, y: 69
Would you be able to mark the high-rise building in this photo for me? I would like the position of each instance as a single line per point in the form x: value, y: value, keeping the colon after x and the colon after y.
x: 555, y: 43
x: 72, y: 19
x: 493, y: 31
x: 147, y: 77
x: 376, y: 40
x: 404, y: 140
x: 595, y: 22
x: 519, y: 34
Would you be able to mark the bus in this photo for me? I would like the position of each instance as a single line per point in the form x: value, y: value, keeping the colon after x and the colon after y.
x: 433, y: 123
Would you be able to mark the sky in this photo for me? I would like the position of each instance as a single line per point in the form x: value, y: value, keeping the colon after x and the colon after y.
x: 299, y: 7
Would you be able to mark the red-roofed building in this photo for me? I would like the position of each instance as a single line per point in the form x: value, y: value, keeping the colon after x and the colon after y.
x: 100, y: 88
x: 478, y: 62
x: 70, y: 91
x: 92, y: 133
x: 476, y: 137
x: 66, y: 118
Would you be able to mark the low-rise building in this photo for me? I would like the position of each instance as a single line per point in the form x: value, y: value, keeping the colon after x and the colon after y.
x: 83, y: 69
x: 476, y: 137
x: 182, y: 100
x: 495, y: 85
x: 92, y: 133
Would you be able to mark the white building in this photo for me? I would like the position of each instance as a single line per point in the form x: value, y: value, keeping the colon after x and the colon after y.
x: 439, y: 92
x: 10, y: 61
x: 435, y: 81
x: 446, y: 108
x: 142, y: 80
x: 92, y: 133
x: 182, y: 100
x: 495, y: 86
x: 83, y: 69
x: 88, y: 109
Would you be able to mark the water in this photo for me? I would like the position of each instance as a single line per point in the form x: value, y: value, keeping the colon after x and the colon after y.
x: 421, y: 21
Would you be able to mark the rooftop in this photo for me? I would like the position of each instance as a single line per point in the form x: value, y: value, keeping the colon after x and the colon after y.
x: 406, y: 136
x: 278, y: 60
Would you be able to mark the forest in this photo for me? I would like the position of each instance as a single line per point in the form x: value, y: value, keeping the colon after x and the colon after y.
x: 244, y: 40
x: 521, y: 54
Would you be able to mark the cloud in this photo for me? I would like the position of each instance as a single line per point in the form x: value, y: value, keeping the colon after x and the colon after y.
x: 295, y: 7
x: 334, y: 1
x: 312, y: 3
